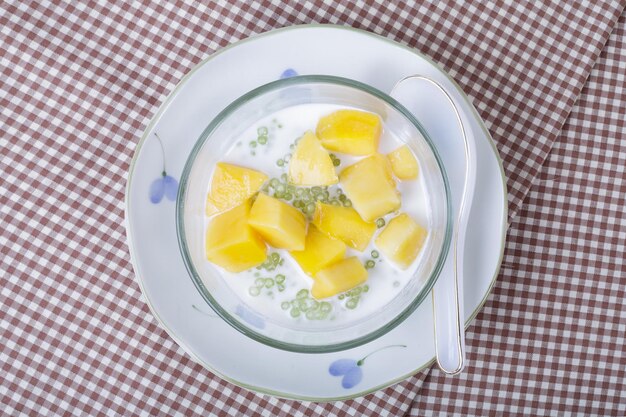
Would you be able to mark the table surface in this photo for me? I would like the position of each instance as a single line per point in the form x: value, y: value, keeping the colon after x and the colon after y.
x: 81, y: 80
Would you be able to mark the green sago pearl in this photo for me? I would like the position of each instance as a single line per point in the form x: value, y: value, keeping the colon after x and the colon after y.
x: 351, y: 304
x: 262, y: 140
x: 278, y: 194
x: 253, y: 144
x: 311, y: 315
x: 291, y: 188
x: 310, y: 208
x: 262, y: 131
x: 375, y: 254
x: 280, y: 188
x: 380, y: 223
x: 303, y: 293
x: 302, y: 304
x: 259, y: 282
x: 370, y: 264
x: 284, y: 177
x: 298, y: 204
x: 274, y: 182
x: 269, y: 283
x: 366, y: 288
x: 325, y: 307
x: 275, y: 257
x: 280, y: 278
x: 295, y: 312
x: 288, y: 196
x: 342, y: 197
x: 281, y: 287
x: 284, y: 305
x: 347, y: 203
x: 335, y: 202
x: 341, y: 296
x: 316, y: 190
x: 280, y: 163
x: 299, y: 192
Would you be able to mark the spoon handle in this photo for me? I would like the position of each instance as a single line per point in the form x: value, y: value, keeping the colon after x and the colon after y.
x: 448, y: 290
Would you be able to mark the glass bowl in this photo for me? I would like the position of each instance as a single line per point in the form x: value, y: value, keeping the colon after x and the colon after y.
x: 222, y: 133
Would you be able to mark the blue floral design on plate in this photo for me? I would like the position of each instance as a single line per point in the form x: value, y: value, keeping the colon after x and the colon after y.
x: 288, y: 73
x: 203, y: 312
x: 351, y: 369
x: 250, y: 316
x: 242, y: 311
x: 164, y: 186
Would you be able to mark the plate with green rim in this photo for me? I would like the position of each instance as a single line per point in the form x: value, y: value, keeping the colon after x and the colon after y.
x: 151, y: 224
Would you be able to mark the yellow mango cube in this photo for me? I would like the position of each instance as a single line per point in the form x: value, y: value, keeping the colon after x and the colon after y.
x: 353, y: 132
x: 280, y: 224
x: 231, y: 185
x: 338, y: 277
x: 403, y: 163
x: 231, y: 243
x: 310, y: 163
x: 343, y: 223
x: 319, y: 251
x: 371, y: 187
x: 402, y: 240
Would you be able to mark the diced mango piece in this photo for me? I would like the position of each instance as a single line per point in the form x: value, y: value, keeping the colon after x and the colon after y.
x: 403, y: 163
x: 338, y: 277
x: 311, y: 164
x: 231, y: 243
x: 402, y: 240
x: 353, y: 132
x: 280, y: 224
x: 319, y: 251
x: 343, y: 223
x: 231, y: 185
x: 370, y: 186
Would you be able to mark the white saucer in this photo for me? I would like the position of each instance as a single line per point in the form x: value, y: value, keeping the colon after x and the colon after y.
x: 151, y: 227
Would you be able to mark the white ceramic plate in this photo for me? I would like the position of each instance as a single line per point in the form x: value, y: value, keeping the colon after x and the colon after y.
x: 151, y: 226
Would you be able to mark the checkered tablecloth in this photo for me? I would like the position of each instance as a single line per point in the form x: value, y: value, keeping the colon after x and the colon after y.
x: 79, y: 83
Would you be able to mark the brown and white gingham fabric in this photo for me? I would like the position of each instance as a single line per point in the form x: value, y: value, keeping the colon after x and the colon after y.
x: 551, y: 340
x: 79, y: 83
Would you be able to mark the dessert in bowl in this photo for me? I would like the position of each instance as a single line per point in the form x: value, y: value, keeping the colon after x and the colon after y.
x: 314, y: 214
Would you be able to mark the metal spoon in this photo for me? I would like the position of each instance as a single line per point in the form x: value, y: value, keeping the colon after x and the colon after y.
x: 448, y: 290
